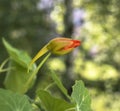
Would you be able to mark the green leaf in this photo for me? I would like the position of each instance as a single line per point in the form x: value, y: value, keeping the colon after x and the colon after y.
x: 10, y: 101
x: 16, y: 77
x: 81, y: 97
x: 53, y: 104
x: 20, y: 57
x: 59, y: 84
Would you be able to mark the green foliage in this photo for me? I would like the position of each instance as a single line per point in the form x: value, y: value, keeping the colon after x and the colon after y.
x: 19, y: 80
x: 53, y: 104
x: 10, y: 101
x: 81, y: 97
x: 17, y: 76
x: 20, y: 57
x: 59, y: 83
x: 98, y: 63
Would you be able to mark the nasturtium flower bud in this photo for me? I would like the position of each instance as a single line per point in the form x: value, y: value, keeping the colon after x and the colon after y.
x: 61, y: 46
x: 58, y: 46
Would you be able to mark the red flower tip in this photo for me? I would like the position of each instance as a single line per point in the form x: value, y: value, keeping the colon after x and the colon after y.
x: 74, y: 44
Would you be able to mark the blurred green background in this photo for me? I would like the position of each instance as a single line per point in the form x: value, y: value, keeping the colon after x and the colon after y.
x: 30, y: 24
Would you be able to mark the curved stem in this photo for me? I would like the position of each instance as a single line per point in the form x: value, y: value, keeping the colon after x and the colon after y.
x: 49, y: 86
x: 36, y: 70
x: 38, y: 55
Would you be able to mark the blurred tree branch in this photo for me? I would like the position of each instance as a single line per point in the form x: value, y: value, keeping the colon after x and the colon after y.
x: 68, y: 78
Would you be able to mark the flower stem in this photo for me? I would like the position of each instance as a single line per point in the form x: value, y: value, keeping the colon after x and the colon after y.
x: 36, y: 70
